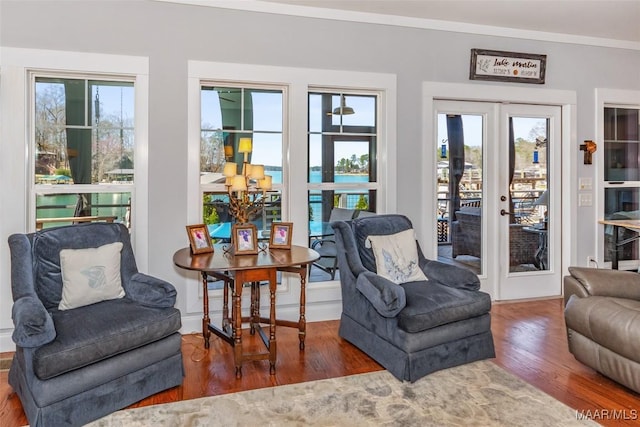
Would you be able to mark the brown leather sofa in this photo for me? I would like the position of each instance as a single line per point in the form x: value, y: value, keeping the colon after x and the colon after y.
x: 602, y: 313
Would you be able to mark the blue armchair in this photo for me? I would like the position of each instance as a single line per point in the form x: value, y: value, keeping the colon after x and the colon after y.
x: 411, y: 328
x: 89, y: 340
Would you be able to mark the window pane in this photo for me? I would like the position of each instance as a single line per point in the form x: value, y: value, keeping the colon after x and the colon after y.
x: 267, y: 151
x: 363, y: 107
x: 621, y: 203
x: 62, y: 206
x: 352, y: 161
x: 621, y: 145
x: 267, y: 109
x: 212, y: 152
x: 68, y: 143
x: 228, y: 114
x: 210, y: 110
x: 321, y: 202
x: 315, y: 113
x: 217, y: 214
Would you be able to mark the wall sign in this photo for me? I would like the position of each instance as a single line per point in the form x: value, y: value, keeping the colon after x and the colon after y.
x: 502, y: 66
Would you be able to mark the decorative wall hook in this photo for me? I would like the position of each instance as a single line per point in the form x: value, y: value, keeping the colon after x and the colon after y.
x: 589, y: 147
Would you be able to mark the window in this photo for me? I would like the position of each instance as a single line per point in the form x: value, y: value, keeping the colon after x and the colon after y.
x: 83, y: 148
x: 621, y: 178
x: 229, y: 113
x: 342, y: 153
x: 342, y: 166
x: 285, y: 120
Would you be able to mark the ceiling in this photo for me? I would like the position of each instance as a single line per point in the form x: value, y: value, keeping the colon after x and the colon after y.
x: 607, y: 19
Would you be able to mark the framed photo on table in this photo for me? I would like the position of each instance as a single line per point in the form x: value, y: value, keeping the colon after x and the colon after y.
x: 280, y: 237
x: 199, y: 239
x: 244, y: 238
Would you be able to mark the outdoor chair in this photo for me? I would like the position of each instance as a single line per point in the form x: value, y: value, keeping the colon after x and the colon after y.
x: 326, y: 246
x: 412, y: 315
x: 92, y: 334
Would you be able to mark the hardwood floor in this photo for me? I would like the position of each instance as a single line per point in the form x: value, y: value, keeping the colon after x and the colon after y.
x: 530, y: 343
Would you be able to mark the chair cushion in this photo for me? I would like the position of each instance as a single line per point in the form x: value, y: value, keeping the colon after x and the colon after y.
x: 375, y: 226
x: 90, y: 275
x: 96, y: 332
x: 48, y: 243
x: 431, y: 304
x: 397, y: 257
x: 614, y: 323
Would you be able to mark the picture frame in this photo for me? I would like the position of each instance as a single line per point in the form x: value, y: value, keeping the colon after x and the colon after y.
x: 502, y: 66
x: 244, y: 238
x: 199, y: 239
x: 280, y: 237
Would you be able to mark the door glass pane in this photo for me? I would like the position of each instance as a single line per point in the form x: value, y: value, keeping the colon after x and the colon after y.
x: 528, y: 196
x: 460, y: 192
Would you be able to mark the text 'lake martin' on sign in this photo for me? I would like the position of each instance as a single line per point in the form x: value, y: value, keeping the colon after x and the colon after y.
x: 500, y: 66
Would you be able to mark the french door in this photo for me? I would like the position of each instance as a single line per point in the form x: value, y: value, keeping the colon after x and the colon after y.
x: 499, y: 183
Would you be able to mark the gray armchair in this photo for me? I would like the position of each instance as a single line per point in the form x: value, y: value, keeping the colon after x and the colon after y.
x: 414, y: 328
x: 77, y: 362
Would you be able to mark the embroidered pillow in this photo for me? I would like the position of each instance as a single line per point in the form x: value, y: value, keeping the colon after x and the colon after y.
x: 397, y: 257
x: 90, y: 275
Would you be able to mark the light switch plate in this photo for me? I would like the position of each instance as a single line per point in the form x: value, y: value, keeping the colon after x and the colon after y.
x: 585, y: 184
x: 585, y: 199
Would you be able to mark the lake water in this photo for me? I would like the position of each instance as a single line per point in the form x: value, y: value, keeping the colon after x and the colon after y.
x: 316, y: 177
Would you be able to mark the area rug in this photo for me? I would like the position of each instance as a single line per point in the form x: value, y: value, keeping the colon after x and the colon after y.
x: 478, y: 394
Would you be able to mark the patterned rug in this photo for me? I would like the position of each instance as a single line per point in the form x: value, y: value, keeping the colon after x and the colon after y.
x: 478, y: 394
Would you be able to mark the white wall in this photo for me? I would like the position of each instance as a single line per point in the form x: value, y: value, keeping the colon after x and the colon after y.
x: 171, y: 34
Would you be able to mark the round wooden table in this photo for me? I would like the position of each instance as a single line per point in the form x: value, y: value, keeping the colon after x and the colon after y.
x: 235, y: 271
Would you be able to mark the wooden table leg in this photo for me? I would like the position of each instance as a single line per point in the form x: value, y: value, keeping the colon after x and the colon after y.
x: 237, y: 325
x: 302, y: 321
x: 226, y: 287
x: 254, y: 313
x: 206, y: 333
x: 273, y: 284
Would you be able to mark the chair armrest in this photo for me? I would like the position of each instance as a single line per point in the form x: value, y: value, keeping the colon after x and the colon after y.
x: 33, y: 324
x: 150, y: 291
x: 450, y: 275
x: 386, y: 297
x: 609, y: 283
x: 22, y: 283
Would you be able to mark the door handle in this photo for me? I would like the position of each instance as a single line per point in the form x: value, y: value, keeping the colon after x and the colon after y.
x: 504, y: 212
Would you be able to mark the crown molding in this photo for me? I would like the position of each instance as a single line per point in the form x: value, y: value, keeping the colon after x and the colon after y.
x: 405, y: 21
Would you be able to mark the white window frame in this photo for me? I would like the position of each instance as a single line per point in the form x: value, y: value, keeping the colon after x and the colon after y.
x: 356, y: 186
x: 46, y: 189
x: 299, y: 82
x: 18, y: 66
x: 609, y: 98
